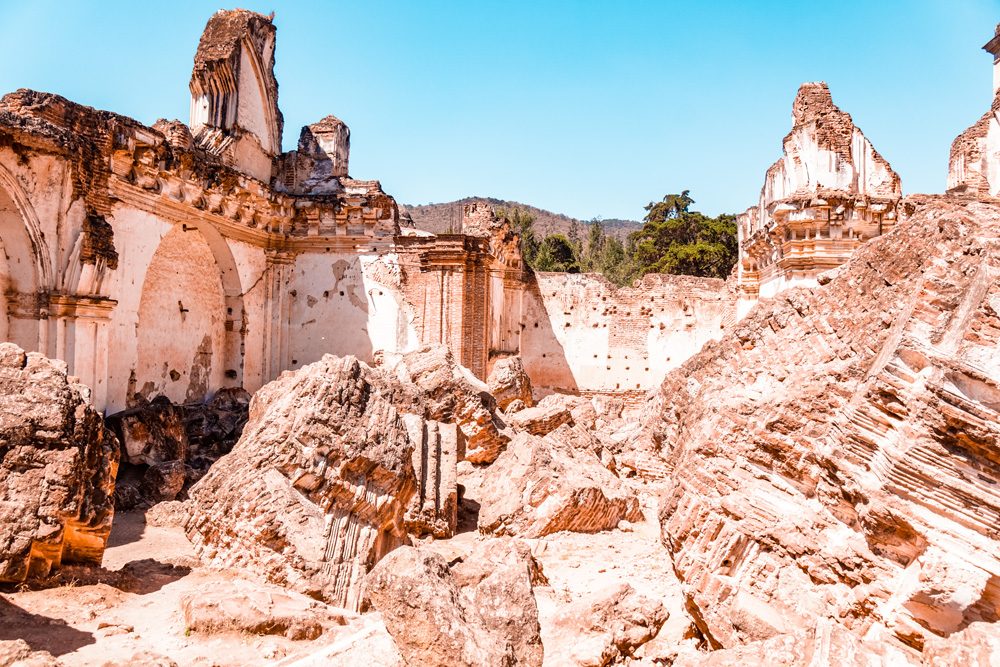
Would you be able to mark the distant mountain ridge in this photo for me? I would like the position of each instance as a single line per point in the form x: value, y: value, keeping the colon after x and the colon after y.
x: 439, y: 218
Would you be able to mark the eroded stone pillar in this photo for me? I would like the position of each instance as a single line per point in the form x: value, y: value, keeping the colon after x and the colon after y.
x: 279, y: 269
x: 434, y: 509
x: 82, y: 340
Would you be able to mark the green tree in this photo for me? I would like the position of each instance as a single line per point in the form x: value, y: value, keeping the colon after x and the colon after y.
x: 676, y: 240
x: 593, y: 246
x: 557, y: 254
x: 522, y: 223
x: 574, y: 236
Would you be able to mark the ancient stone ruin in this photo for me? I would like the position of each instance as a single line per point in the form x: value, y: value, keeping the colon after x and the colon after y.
x: 840, y: 479
x: 830, y: 193
x: 206, y: 258
x: 250, y: 415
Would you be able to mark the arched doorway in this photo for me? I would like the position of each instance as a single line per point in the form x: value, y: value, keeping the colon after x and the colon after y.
x: 184, y: 349
x: 22, y: 267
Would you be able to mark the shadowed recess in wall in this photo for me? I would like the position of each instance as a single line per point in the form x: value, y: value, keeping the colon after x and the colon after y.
x: 181, y: 323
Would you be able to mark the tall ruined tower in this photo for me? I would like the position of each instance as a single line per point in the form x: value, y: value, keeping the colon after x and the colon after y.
x: 830, y: 192
x: 234, y: 95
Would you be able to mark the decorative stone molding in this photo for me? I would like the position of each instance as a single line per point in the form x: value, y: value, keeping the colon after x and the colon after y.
x: 830, y: 192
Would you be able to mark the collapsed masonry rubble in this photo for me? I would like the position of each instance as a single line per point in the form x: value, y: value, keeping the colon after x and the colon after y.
x: 480, y: 611
x: 454, y: 395
x: 838, y: 457
x: 166, y: 448
x: 539, y: 486
x: 315, y: 491
x: 826, y: 467
x: 340, y: 461
x: 57, y: 468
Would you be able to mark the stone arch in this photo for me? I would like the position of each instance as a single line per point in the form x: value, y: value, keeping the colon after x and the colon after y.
x: 235, y: 314
x: 228, y: 271
x: 262, y: 100
x: 25, y: 267
x: 190, y: 317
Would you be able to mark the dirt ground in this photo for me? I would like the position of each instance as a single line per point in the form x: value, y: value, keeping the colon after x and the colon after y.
x: 148, y: 569
x: 132, y: 603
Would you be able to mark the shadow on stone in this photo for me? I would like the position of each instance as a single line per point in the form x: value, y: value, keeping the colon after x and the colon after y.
x: 149, y: 575
x: 127, y: 528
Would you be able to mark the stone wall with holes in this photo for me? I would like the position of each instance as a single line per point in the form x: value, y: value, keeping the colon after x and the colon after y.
x: 167, y: 260
x: 583, y: 334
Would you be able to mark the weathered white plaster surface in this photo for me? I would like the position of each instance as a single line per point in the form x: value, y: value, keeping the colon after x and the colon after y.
x: 583, y: 334
x: 182, y: 309
x: 347, y: 304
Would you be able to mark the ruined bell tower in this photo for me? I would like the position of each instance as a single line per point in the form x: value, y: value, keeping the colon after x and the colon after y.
x: 234, y: 95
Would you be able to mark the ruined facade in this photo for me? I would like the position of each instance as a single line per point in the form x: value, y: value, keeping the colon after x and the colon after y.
x: 974, y: 161
x: 830, y: 193
x: 178, y: 259
x: 175, y: 261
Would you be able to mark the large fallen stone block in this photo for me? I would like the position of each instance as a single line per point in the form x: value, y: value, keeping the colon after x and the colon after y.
x: 540, y: 420
x: 580, y: 438
x: 259, y: 609
x: 837, y: 457
x: 151, y: 432
x: 57, y: 468
x: 602, y: 628
x: 477, y: 614
x: 514, y: 407
x: 315, y: 491
x: 540, y: 486
x: 580, y: 408
x: 453, y: 395
x: 497, y: 580
x: 508, y: 382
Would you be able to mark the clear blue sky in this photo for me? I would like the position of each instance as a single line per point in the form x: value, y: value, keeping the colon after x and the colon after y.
x: 584, y: 108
